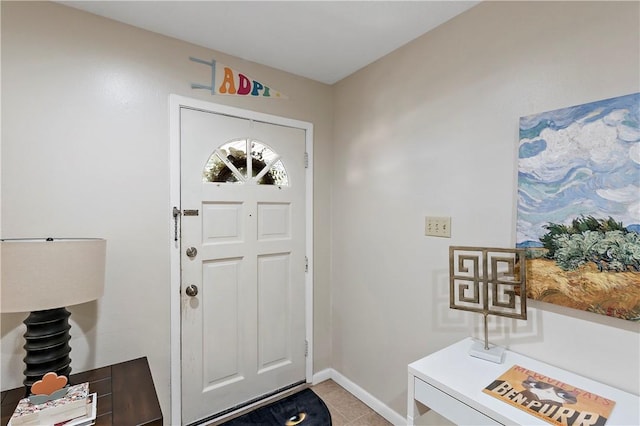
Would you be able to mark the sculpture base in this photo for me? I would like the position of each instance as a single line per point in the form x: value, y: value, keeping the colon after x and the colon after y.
x: 47, y: 345
x: 493, y: 354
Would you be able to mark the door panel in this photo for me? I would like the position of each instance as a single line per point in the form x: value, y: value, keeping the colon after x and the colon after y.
x: 220, y: 321
x: 221, y: 223
x: 274, y: 286
x: 274, y: 221
x: 243, y: 334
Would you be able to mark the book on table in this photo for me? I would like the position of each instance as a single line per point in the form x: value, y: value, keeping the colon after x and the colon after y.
x: 74, y: 404
x: 89, y: 419
x: 549, y: 399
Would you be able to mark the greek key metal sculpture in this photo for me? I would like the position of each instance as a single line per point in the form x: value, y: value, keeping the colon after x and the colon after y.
x: 490, y: 281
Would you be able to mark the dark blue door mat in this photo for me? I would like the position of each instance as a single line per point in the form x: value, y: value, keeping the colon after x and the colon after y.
x: 303, y: 408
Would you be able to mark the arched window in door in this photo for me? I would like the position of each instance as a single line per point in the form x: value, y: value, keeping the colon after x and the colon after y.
x: 245, y: 161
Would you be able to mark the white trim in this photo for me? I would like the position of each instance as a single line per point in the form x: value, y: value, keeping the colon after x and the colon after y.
x: 375, y: 404
x: 175, y: 103
x: 309, y: 250
x: 174, y: 259
x: 322, y: 376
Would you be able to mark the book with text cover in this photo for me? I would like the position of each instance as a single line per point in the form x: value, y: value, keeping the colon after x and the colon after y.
x: 556, y: 402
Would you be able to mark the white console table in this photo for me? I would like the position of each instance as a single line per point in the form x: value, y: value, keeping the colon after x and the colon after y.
x: 450, y: 382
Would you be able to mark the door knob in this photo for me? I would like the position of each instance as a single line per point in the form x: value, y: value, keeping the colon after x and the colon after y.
x: 191, y: 290
x: 192, y: 252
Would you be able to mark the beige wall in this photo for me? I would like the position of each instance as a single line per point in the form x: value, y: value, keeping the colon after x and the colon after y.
x: 432, y: 129
x: 85, y: 152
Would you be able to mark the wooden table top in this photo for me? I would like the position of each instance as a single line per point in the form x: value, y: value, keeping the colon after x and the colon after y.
x: 126, y: 394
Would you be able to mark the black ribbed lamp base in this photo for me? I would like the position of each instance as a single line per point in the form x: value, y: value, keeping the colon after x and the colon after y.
x: 47, y: 345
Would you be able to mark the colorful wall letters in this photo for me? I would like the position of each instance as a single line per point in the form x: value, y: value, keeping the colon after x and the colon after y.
x: 227, y: 81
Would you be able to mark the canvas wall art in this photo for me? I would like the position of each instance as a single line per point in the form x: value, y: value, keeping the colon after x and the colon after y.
x: 579, y: 206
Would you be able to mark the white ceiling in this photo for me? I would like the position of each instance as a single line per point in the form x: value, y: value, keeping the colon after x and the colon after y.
x: 321, y: 40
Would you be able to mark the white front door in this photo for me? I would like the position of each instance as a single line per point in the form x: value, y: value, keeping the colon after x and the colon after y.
x: 242, y: 259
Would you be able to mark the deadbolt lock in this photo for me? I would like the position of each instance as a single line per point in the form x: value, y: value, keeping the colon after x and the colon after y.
x: 191, y: 290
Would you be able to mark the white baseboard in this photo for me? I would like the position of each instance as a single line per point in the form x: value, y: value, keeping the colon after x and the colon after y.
x: 375, y: 404
x: 321, y: 376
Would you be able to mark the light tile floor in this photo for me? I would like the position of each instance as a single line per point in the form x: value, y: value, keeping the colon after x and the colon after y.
x: 346, y: 409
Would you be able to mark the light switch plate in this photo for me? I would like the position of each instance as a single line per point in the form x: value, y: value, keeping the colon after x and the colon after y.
x: 437, y: 226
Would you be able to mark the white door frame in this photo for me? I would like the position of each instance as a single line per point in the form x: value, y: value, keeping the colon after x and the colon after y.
x: 175, y: 103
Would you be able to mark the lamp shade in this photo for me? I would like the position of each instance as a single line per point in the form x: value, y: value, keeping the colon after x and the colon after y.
x: 40, y: 274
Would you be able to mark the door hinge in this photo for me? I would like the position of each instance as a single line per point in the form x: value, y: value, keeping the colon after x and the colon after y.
x: 306, y: 160
x: 306, y: 264
x: 306, y: 348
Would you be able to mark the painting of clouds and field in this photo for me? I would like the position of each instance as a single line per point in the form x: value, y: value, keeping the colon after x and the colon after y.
x: 579, y: 206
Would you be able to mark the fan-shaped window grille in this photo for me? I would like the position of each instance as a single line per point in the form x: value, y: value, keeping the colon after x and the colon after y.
x: 230, y: 163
